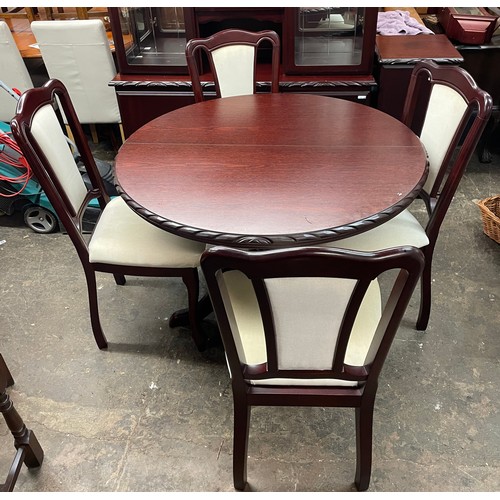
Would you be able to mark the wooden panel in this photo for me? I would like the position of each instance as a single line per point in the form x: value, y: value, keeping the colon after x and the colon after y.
x: 138, y: 108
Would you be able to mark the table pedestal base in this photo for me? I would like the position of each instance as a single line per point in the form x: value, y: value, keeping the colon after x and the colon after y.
x: 205, y: 308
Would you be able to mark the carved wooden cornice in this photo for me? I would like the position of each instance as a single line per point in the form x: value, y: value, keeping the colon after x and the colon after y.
x: 186, y: 85
x: 415, y: 60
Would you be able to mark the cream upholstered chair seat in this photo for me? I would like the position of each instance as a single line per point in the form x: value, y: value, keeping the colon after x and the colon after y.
x: 404, y: 229
x: 122, y: 237
x: 308, y: 344
x: 13, y: 73
x: 122, y: 243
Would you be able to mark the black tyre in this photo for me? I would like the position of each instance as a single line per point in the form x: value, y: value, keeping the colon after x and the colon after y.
x: 40, y: 220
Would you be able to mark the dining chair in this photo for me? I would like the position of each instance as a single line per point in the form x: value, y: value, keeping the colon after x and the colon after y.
x: 232, y: 57
x: 13, y: 73
x: 122, y: 242
x: 77, y: 52
x: 28, y: 13
x: 28, y: 448
x: 307, y: 327
x: 449, y: 112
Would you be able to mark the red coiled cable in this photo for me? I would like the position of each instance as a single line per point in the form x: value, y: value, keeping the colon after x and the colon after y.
x: 18, y: 162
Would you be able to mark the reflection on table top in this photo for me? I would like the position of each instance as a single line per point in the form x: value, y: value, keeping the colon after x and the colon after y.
x: 271, y: 170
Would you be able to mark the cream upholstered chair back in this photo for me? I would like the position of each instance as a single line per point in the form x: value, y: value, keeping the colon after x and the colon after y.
x: 235, y: 67
x: 13, y: 72
x: 308, y: 327
x: 307, y: 315
x: 48, y: 133
x: 445, y: 112
x: 78, y: 54
x: 232, y: 57
x: 299, y: 313
x: 455, y: 112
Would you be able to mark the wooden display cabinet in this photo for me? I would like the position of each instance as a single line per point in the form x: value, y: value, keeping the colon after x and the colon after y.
x: 329, y: 40
x: 151, y: 40
x: 153, y: 77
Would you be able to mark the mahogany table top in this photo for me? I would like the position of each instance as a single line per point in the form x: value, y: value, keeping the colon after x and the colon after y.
x: 271, y: 170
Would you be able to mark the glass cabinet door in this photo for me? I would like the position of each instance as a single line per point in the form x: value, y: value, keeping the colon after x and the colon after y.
x: 333, y: 40
x: 149, y: 39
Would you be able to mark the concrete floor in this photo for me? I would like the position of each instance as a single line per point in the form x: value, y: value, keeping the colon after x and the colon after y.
x: 151, y: 413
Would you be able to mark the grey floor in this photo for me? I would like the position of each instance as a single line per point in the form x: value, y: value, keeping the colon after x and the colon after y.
x: 151, y: 413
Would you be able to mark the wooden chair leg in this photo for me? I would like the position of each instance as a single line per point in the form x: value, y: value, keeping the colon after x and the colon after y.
x: 70, y: 136
x: 119, y: 279
x: 94, y: 310
x: 242, y: 412
x: 425, y: 294
x: 122, y: 133
x: 191, y: 280
x: 93, y: 133
x: 82, y: 13
x: 49, y: 13
x: 364, y: 436
x: 30, y: 14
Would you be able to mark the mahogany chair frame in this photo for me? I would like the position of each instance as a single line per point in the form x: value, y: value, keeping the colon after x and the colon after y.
x: 438, y: 199
x: 30, y: 102
x: 226, y: 38
x: 28, y: 448
x: 317, y: 263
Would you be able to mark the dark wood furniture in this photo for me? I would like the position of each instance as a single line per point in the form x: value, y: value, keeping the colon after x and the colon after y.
x: 396, y: 58
x: 481, y: 62
x: 469, y: 25
x: 329, y: 40
x: 28, y: 13
x: 121, y: 243
x: 271, y: 170
x: 306, y: 357
x: 233, y: 74
x: 456, y: 113
x: 153, y: 82
x: 28, y: 448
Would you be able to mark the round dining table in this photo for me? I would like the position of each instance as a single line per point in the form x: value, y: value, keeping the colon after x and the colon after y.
x: 271, y: 170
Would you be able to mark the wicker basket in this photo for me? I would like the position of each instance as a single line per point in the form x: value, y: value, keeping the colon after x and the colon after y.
x: 490, y: 213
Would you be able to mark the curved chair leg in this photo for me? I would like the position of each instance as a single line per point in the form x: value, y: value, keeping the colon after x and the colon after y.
x: 94, y: 310
x: 425, y: 293
x: 119, y: 279
x: 364, y: 433
x: 192, y: 282
x: 242, y: 413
